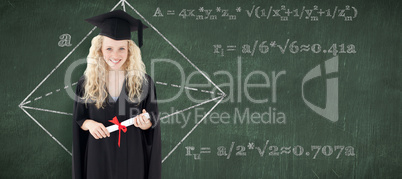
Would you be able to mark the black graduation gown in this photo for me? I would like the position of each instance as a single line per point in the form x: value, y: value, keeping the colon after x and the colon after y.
x: 139, y: 154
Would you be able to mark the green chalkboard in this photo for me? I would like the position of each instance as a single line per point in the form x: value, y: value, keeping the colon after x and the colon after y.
x: 246, y: 89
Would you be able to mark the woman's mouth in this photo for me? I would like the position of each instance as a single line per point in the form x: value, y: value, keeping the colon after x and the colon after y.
x: 115, y: 61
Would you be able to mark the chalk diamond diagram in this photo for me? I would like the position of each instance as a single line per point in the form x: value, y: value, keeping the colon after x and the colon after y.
x: 24, y: 104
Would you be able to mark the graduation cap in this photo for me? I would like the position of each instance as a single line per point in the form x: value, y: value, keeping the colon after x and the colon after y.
x: 118, y: 25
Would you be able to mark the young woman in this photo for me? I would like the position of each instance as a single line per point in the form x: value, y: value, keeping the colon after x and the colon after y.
x: 114, y: 88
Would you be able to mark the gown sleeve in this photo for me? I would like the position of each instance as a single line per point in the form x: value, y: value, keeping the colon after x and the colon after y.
x: 152, y: 136
x: 80, y: 137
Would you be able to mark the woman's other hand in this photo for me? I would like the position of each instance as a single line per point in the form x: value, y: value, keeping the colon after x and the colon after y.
x: 142, y: 122
x: 97, y: 130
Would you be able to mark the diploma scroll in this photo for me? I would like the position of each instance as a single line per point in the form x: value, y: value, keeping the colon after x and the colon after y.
x: 126, y: 123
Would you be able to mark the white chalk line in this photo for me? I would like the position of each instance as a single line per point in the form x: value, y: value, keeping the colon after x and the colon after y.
x: 194, y: 89
x: 26, y: 103
x: 116, y: 5
x: 315, y: 174
x: 170, y: 43
x: 44, y: 129
x: 160, y: 83
x: 191, y: 107
x: 123, y: 5
x: 336, y: 173
x: 199, y: 122
x: 47, y: 94
x: 185, y: 87
x: 174, y: 85
x: 47, y: 110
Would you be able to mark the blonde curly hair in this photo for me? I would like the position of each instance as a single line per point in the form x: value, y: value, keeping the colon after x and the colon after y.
x: 96, y: 73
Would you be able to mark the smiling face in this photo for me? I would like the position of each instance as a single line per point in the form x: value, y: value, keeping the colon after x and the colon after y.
x: 114, y: 52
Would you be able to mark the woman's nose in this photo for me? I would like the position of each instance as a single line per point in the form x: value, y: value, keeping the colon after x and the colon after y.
x: 115, y: 55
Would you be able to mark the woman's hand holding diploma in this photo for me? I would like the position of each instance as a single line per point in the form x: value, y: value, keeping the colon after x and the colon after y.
x: 142, y: 122
x: 97, y: 130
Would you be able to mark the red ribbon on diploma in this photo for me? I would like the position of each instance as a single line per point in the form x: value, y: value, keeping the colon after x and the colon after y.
x: 121, y: 127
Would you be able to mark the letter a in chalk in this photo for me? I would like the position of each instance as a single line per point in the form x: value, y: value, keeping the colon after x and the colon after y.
x: 65, y: 40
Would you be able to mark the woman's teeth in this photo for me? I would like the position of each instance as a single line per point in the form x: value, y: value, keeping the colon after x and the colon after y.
x: 113, y: 61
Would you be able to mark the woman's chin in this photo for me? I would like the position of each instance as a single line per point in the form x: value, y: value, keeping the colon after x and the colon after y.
x: 115, y: 67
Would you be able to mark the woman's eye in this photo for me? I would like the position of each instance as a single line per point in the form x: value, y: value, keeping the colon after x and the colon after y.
x: 109, y: 49
x: 122, y: 48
